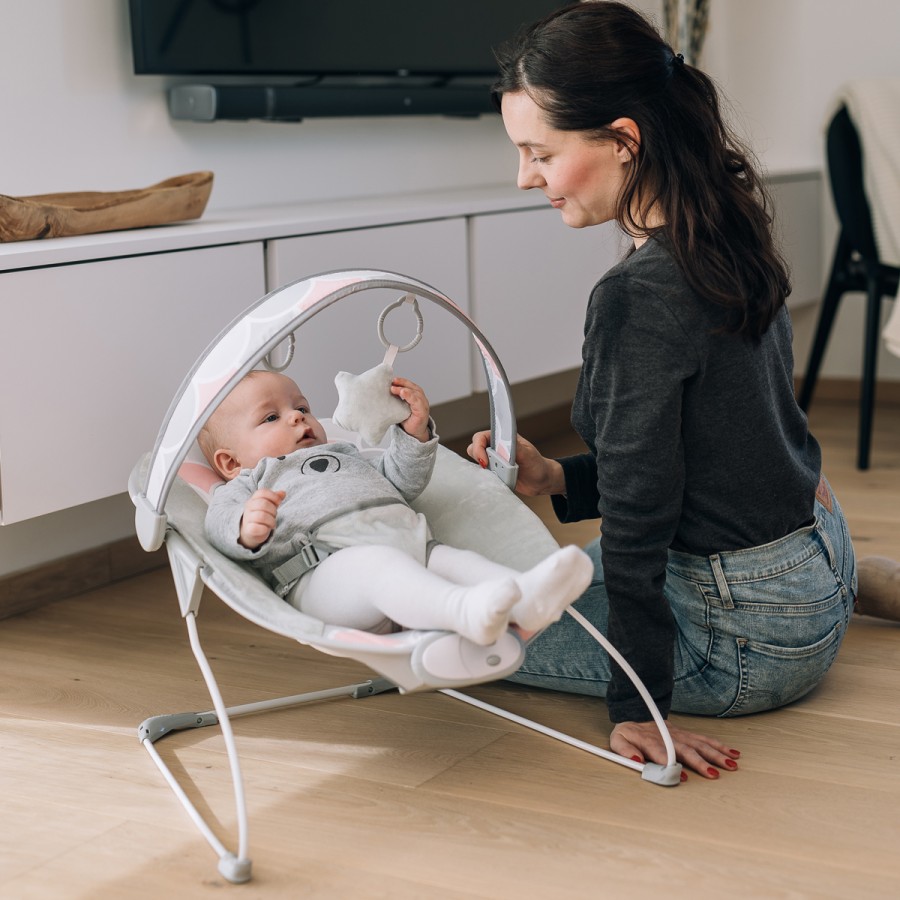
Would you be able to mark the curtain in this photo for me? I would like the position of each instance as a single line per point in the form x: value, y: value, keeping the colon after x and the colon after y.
x: 686, y: 22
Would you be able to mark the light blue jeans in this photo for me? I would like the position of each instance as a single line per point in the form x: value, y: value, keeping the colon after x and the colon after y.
x: 756, y: 628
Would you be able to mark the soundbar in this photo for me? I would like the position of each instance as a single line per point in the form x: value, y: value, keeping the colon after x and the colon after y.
x: 290, y: 103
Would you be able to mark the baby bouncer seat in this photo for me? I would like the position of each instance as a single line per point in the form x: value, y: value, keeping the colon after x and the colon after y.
x: 466, y: 506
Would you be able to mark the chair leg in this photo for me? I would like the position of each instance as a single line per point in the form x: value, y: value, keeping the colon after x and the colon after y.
x: 870, y: 359
x: 827, y: 314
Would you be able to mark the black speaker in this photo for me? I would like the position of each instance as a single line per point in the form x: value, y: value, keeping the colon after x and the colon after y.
x: 287, y: 103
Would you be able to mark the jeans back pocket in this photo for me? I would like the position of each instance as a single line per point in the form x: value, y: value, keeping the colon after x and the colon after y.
x: 772, y: 675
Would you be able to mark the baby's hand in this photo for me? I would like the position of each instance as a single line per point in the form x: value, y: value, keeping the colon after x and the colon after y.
x: 416, y: 424
x: 258, y: 520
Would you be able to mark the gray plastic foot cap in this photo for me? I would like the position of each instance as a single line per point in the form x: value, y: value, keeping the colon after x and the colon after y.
x: 667, y: 776
x: 237, y: 871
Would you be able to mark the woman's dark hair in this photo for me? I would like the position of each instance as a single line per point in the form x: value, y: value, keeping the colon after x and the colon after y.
x: 590, y: 63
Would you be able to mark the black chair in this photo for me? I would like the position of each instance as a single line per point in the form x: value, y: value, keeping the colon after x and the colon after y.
x: 856, y: 267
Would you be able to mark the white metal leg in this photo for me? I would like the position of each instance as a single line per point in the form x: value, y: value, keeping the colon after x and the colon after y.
x: 234, y: 867
x: 672, y: 765
x: 669, y: 774
x: 191, y: 810
x: 543, y: 729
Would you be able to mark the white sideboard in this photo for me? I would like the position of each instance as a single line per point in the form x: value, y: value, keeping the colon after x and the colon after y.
x: 90, y: 356
x: 344, y: 337
x: 97, y: 331
x: 531, y: 277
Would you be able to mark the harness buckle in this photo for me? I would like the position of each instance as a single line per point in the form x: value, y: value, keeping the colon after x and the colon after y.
x: 290, y: 572
x: 310, y: 556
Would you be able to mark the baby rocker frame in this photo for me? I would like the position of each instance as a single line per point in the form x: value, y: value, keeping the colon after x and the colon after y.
x: 168, y: 510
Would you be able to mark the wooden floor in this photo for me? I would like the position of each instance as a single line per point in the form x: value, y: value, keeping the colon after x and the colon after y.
x: 421, y: 796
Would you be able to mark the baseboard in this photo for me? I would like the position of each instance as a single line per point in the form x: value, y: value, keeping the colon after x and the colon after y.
x: 537, y: 427
x: 846, y: 390
x: 29, y: 589
x: 459, y: 419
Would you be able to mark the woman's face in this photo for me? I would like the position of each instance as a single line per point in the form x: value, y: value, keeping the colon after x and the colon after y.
x: 581, y: 178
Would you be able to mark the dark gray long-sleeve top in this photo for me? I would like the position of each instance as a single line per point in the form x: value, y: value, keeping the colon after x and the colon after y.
x: 696, y: 444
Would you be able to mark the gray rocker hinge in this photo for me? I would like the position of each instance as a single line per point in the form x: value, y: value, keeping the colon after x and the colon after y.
x: 155, y: 727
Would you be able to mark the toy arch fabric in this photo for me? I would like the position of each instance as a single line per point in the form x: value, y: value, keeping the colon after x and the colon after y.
x: 168, y: 510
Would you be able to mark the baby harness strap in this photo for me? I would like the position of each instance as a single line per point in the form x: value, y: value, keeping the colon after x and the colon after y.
x: 313, y: 551
x: 290, y: 572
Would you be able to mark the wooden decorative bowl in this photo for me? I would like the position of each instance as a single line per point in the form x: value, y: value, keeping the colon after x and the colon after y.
x: 86, y: 212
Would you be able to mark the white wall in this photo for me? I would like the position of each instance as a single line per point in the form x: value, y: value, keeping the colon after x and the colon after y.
x: 75, y: 118
x: 781, y: 62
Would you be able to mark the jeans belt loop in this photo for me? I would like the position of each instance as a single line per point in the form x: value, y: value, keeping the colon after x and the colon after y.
x: 719, y: 574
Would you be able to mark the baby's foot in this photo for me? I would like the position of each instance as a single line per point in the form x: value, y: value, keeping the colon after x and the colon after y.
x: 484, y: 610
x: 551, y: 586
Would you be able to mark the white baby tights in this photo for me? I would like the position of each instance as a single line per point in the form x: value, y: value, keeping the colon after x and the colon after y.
x: 459, y: 591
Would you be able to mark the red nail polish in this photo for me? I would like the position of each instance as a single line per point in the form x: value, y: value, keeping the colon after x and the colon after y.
x: 482, y: 463
x: 713, y: 773
x: 735, y: 752
x: 684, y: 776
x: 730, y: 763
x: 637, y: 759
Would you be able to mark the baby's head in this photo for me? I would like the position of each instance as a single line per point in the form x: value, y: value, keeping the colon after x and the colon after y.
x: 265, y: 414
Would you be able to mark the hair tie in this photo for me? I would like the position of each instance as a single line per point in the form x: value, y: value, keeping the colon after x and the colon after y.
x: 678, y: 59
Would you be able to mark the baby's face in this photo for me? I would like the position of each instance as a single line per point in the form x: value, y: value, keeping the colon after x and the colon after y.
x: 267, y: 415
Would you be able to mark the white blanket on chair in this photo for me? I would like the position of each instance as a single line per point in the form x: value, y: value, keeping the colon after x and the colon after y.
x: 874, y: 106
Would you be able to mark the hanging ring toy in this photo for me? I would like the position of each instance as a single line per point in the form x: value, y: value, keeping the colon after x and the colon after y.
x: 393, y: 349
x: 289, y: 355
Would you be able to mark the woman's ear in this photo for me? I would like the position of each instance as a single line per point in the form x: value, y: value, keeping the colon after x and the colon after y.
x: 226, y: 464
x: 630, y: 138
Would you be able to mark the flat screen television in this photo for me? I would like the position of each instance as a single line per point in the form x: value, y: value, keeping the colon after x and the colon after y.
x: 329, y: 57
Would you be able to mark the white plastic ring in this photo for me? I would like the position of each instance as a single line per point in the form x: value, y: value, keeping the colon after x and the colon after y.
x: 289, y: 355
x: 408, y: 298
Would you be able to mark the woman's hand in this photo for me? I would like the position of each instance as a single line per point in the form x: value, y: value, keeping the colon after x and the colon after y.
x: 258, y: 520
x: 641, y: 741
x: 537, y: 474
x: 416, y: 424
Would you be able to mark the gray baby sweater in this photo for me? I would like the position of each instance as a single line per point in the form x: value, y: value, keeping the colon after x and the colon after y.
x: 319, y: 483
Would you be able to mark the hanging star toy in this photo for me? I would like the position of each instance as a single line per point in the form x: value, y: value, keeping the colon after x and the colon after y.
x: 366, y: 404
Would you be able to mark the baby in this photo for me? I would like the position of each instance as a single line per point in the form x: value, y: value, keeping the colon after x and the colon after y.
x: 291, y: 498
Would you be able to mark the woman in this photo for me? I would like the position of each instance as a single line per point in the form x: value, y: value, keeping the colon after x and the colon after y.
x: 725, y: 573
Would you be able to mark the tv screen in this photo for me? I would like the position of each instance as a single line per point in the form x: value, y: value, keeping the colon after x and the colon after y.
x: 320, y: 38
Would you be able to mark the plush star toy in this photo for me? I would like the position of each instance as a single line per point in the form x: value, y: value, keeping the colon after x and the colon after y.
x: 366, y: 404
